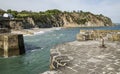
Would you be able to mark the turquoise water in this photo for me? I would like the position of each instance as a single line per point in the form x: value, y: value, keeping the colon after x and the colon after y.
x: 36, y: 59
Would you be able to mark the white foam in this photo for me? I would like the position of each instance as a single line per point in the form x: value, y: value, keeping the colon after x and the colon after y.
x: 50, y: 72
x: 40, y: 32
x: 58, y: 28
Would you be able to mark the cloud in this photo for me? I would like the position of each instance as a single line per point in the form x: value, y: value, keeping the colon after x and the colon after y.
x: 110, y: 8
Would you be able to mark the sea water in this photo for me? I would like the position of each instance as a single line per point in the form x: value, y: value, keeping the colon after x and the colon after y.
x: 36, y: 59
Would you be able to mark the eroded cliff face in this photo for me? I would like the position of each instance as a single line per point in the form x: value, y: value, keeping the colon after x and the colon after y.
x: 17, y: 24
x: 64, y: 19
x: 83, y: 19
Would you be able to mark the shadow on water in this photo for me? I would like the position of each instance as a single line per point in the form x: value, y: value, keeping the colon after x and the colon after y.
x: 30, y: 47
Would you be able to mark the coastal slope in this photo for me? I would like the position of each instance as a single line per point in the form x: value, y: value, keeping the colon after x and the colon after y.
x: 72, y: 19
x: 54, y: 18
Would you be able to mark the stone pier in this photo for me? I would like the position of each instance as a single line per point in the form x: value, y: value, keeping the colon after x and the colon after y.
x: 11, y: 44
x: 86, y: 56
x: 109, y: 35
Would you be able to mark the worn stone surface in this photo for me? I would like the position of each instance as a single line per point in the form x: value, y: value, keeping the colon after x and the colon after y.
x: 11, y: 44
x: 86, y: 57
x: 110, y: 35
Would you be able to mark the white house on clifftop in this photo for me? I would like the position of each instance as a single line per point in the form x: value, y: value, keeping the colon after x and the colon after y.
x: 8, y: 15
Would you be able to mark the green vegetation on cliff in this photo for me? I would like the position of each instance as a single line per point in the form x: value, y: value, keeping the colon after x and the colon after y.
x: 57, y: 18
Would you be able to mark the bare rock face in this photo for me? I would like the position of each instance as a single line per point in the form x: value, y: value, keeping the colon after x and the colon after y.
x: 11, y: 45
x: 85, y: 57
x: 4, y: 30
x: 17, y: 24
x: 31, y: 21
x: 82, y: 19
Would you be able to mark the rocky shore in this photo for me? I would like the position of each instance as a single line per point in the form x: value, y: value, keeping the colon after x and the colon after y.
x: 85, y: 57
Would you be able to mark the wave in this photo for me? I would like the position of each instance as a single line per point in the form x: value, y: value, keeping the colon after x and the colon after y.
x: 40, y: 32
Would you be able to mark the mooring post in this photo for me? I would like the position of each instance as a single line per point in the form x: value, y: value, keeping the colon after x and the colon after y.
x: 102, y: 42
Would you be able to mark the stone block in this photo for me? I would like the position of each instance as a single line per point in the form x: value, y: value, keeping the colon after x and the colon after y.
x: 111, y: 35
x: 11, y: 44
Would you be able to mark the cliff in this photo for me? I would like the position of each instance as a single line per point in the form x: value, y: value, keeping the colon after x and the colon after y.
x: 82, y: 19
x: 55, y: 18
x: 17, y: 24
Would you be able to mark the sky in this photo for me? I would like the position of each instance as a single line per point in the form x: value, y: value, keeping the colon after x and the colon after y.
x: 109, y: 8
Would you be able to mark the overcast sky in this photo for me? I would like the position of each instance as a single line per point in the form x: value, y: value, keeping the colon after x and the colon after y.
x: 110, y: 8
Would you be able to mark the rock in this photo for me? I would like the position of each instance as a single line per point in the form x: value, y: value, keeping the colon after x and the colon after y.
x: 17, y: 24
x: 74, y: 20
x: 5, y: 30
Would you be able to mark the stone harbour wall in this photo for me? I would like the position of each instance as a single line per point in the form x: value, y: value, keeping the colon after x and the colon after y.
x: 87, y: 55
x: 11, y: 45
x: 110, y: 35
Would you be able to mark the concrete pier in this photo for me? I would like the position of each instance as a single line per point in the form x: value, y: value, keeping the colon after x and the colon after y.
x: 11, y: 44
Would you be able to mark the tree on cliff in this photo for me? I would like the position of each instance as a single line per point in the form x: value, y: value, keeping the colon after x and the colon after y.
x: 13, y: 12
x: 56, y: 18
x: 2, y: 12
x: 54, y: 11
